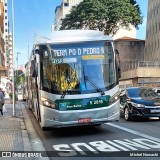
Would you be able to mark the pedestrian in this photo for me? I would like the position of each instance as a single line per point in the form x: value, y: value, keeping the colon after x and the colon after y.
x: 1, y: 101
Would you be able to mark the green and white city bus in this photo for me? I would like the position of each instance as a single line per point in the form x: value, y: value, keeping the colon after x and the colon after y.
x: 72, y: 79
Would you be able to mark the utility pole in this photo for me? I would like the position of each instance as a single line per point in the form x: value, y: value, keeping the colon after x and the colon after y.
x: 13, y: 77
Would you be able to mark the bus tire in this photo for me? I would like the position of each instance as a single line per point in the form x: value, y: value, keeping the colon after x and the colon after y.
x: 97, y: 125
x: 44, y: 128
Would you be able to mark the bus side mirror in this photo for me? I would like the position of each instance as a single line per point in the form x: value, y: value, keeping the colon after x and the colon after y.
x: 119, y: 71
x: 36, y: 51
x: 118, y: 63
x: 33, y: 69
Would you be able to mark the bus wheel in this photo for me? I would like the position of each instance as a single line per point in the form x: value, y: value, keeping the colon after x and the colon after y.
x: 126, y: 114
x: 97, y: 125
x: 45, y: 128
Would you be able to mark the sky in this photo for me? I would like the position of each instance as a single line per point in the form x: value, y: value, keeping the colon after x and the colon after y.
x: 33, y: 17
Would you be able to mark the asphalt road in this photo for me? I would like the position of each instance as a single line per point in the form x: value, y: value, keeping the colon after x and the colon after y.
x: 92, y: 143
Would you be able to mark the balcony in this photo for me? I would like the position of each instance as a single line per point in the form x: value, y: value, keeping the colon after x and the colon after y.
x: 1, y: 19
x: 130, y: 65
x: 138, y: 73
x: 2, y: 43
x: 1, y: 6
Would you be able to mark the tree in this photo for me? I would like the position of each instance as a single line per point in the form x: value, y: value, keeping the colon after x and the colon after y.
x: 105, y: 15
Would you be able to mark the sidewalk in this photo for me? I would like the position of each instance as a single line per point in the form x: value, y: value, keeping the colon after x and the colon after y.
x: 17, y: 133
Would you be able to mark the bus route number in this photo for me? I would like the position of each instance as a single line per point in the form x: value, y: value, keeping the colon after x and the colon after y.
x: 56, y: 61
x: 94, y: 102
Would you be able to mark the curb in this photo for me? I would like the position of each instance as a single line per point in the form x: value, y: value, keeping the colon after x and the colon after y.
x: 31, y: 140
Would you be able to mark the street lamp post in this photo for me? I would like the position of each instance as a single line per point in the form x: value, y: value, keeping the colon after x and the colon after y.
x: 13, y: 78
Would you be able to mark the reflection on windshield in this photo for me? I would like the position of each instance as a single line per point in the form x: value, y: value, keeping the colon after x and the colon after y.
x: 64, y: 70
x: 60, y: 77
x: 142, y: 92
x: 147, y: 93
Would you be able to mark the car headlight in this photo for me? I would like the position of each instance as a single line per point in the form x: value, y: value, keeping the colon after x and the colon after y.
x: 137, y: 105
x: 48, y: 103
x: 114, y: 98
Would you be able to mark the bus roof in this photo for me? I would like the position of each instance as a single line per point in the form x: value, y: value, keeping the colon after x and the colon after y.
x: 72, y: 36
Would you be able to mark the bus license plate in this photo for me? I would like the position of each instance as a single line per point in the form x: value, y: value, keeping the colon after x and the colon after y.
x: 84, y: 120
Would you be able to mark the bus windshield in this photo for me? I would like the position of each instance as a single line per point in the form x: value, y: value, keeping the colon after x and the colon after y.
x: 65, y: 67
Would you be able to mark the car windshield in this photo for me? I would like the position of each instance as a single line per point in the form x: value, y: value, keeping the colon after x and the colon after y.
x: 133, y: 92
x: 141, y: 92
x: 148, y: 92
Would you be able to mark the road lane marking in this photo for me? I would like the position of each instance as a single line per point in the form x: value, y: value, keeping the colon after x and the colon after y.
x: 134, y: 132
x: 146, y: 142
x: 105, y: 146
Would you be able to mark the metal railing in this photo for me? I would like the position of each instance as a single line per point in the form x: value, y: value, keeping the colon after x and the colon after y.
x: 128, y: 65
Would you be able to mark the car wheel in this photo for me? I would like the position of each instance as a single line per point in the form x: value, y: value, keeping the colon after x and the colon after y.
x: 126, y: 114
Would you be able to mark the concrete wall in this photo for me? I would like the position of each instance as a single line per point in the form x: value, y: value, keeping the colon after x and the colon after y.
x: 152, y: 48
x: 130, y: 51
x: 140, y: 72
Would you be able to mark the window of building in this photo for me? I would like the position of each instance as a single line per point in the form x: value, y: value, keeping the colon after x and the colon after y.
x: 5, y: 17
x: 5, y: 11
x: 5, y: 24
x: 6, y: 30
x: 132, y: 43
x: 66, y: 4
x: 5, y: 4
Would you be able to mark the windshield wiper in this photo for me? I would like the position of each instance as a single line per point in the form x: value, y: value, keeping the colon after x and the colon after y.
x: 94, y: 85
x: 69, y: 80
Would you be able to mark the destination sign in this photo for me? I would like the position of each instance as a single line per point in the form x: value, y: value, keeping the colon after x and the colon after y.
x: 77, y: 49
x: 65, y: 60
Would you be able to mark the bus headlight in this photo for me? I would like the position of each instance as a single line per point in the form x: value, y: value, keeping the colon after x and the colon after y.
x: 48, y: 103
x: 114, y: 98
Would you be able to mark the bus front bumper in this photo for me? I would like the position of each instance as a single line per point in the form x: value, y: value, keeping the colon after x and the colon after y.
x: 58, y: 119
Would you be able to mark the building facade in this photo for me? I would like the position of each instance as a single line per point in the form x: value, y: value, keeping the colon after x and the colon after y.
x: 62, y: 10
x: 65, y: 8
x: 2, y: 41
x: 131, y: 52
x: 6, y: 59
x: 10, y: 57
x: 152, y: 48
x: 6, y: 33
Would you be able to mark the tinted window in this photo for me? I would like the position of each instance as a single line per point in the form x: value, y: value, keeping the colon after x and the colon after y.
x: 133, y: 92
x: 158, y: 91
